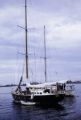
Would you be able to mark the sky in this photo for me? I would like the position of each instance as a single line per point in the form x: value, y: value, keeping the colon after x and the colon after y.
x: 62, y: 19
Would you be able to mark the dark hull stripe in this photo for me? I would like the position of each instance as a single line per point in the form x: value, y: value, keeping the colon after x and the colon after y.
x: 47, y: 99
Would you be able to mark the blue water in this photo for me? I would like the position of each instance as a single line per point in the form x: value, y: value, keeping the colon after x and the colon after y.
x: 69, y: 109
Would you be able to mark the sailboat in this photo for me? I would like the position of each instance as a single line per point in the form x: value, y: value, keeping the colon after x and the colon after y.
x: 44, y: 93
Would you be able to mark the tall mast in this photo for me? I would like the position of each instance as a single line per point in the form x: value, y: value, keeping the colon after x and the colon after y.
x: 45, y: 54
x: 26, y: 42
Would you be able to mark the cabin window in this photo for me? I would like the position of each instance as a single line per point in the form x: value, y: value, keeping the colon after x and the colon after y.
x: 46, y: 91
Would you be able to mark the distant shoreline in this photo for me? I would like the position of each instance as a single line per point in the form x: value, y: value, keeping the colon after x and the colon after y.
x: 11, y: 85
x: 68, y: 82
x: 73, y: 82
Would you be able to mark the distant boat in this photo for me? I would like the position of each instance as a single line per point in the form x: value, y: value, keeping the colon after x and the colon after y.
x: 45, y: 93
x: 67, y: 88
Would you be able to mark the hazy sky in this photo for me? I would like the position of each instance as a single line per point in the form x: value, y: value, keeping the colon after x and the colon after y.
x: 63, y: 39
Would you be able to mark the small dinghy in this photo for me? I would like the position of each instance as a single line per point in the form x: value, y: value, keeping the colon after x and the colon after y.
x: 27, y: 103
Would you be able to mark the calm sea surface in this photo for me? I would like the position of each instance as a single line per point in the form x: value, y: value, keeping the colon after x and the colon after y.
x: 69, y: 109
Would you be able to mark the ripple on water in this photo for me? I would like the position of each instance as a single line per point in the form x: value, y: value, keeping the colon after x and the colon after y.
x: 69, y: 109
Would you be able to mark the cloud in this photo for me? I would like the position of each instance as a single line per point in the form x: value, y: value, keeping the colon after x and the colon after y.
x: 63, y: 34
x: 58, y: 27
x: 71, y: 8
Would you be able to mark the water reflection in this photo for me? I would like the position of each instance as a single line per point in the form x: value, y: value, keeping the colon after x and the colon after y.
x: 55, y: 107
x: 38, y: 112
x: 69, y: 100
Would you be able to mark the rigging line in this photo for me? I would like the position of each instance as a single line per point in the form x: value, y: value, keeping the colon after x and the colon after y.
x: 35, y: 65
x: 57, y: 75
x: 45, y: 58
x: 23, y: 68
x: 56, y: 72
x: 18, y: 68
x: 30, y: 10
